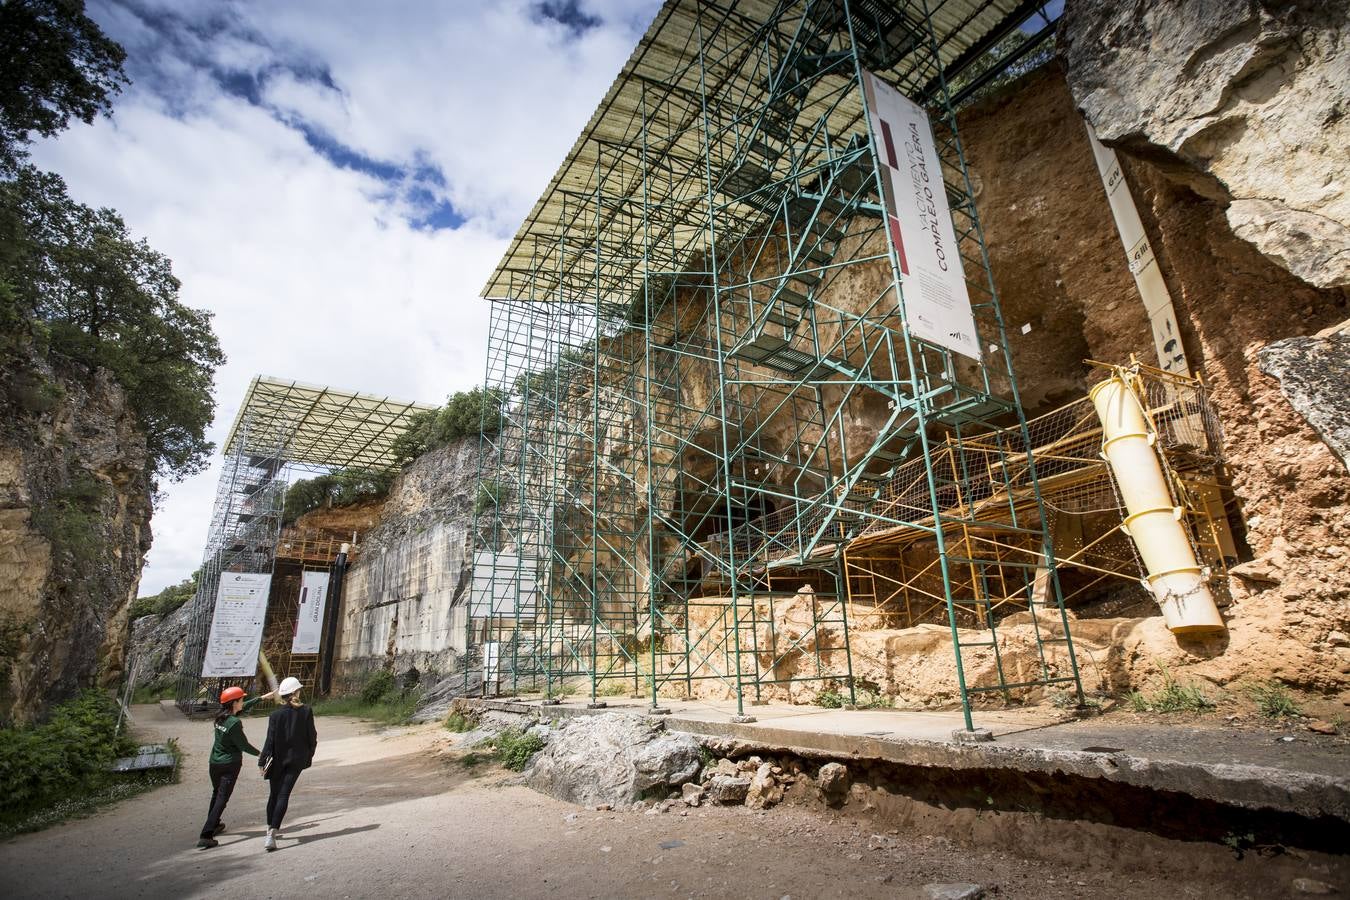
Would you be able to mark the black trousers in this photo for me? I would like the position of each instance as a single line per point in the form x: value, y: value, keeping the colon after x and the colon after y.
x: 279, y: 797
x: 223, y: 778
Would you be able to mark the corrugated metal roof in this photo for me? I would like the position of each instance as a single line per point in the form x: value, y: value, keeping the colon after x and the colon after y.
x: 319, y: 426
x: 617, y: 168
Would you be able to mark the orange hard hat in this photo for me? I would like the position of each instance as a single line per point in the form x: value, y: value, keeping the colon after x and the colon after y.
x: 231, y: 694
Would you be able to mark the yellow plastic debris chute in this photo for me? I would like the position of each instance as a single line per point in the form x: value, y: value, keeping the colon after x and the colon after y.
x: 267, y: 672
x: 1175, y: 577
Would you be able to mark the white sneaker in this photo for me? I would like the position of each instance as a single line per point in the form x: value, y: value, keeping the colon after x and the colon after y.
x: 270, y: 842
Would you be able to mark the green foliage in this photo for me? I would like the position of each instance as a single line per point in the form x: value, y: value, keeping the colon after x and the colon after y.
x: 1274, y: 700
x: 458, y: 723
x: 489, y: 496
x: 513, y: 747
x: 167, y: 600
x: 65, y: 757
x: 344, y: 487
x: 379, y: 685
x: 466, y: 413
x: 58, y: 66
x: 831, y: 699
x: 71, y: 519
x: 76, y: 289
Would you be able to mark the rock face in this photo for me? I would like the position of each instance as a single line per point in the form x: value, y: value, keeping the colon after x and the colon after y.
x: 155, y: 651
x: 405, y: 600
x: 1245, y: 102
x: 614, y: 759
x: 74, y: 530
x: 1314, y: 373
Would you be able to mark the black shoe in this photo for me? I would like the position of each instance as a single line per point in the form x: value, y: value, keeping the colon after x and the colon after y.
x: 207, y: 843
x: 220, y: 826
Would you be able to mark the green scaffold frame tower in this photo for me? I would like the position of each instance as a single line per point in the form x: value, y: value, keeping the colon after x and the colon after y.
x: 686, y: 336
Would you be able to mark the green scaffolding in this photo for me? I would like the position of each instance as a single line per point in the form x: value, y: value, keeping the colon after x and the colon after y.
x: 685, y: 337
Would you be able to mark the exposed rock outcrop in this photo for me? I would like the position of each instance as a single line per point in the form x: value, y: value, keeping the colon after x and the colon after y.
x: 405, y: 600
x: 1314, y: 373
x: 74, y: 530
x: 614, y: 759
x: 1245, y: 102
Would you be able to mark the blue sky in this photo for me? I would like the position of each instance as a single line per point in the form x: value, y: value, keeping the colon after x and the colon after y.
x: 336, y: 180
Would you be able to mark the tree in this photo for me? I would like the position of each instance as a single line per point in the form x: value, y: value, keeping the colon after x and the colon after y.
x: 86, y: 293
x: 58, y: 65
x: 465, y: 413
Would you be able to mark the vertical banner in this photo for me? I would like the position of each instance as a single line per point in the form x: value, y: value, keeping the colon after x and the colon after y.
x: 932, y: 280
x: 237, y: 625
x: 309, y: 620
x: 1162, y: 317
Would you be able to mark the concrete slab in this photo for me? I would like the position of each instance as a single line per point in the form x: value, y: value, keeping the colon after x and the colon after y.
x: 1252, y: 770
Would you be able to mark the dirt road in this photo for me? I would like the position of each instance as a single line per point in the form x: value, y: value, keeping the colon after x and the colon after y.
x: 380, y: 815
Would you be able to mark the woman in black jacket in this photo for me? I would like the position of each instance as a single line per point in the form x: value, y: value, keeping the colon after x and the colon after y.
x: 288, y: 751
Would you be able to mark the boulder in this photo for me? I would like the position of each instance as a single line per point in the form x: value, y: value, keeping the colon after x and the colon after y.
x: 728, y: 790
x: 613, y: 758
x: 692, y: 794
x: 833, y: 782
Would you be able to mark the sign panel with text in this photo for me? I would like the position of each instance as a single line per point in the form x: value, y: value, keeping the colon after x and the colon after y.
x: 309, y: 620
x: 237, y: 625
x: 919, y: 219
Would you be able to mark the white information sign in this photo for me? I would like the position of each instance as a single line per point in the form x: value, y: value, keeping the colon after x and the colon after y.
x: 309, y: 620
x: 236, y: 627
x: 932, y: 281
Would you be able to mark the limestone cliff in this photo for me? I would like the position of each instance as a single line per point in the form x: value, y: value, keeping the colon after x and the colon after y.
x: 406, y: 595
x: 75, y: 503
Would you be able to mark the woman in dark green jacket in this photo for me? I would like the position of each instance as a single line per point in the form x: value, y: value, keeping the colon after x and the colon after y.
x: 227, y: 757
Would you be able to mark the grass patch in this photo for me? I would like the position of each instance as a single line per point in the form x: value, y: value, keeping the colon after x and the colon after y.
x: 1174, y: 697
x: 612, y: 688
x: 58, y: 769
x: 513, y: 747
x: 377, y: 699
x: 1273, y: 700
x: 162, y: 688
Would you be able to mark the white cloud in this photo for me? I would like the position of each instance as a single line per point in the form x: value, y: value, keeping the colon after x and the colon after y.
x: 310, y: 258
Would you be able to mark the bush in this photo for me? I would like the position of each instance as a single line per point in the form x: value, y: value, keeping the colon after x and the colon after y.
x: 458, y: 723
x: 514, y: 748
x: 377, y: 688
x: 66, y: 757
x: 831, y: 699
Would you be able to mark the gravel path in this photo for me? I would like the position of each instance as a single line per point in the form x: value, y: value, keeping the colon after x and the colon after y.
x: 383, y: 814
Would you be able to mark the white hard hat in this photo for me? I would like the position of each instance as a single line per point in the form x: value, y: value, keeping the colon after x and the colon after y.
x: 289, y: 686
